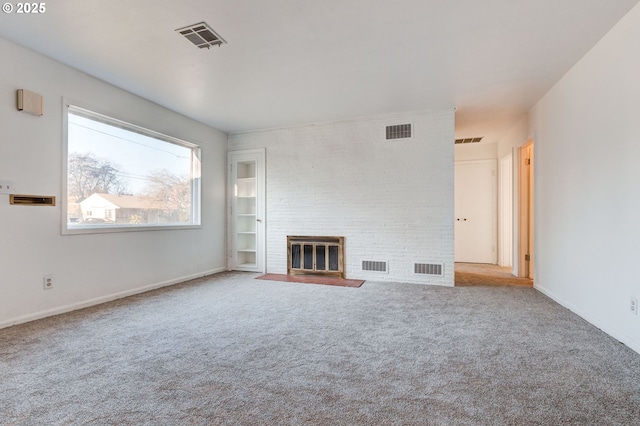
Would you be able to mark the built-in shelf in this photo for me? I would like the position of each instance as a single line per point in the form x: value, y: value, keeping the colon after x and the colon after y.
x: 246, y: 186
x: 246, y: 258
x: 247, y: 171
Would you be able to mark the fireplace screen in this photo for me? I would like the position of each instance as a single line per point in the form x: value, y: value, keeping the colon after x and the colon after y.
x: 316, y: 255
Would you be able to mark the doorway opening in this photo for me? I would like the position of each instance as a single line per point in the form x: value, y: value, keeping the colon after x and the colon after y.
x: 481, y: 274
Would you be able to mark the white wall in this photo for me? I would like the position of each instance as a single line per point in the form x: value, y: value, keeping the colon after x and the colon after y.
x: 587, y: 184
x: 475, y: 151
x: 392, y: 200
x: 517, y: 136
x: 88, y: 268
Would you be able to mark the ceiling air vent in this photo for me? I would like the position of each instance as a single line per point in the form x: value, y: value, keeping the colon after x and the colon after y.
x: 399, y: 131
x: 469, y: 140
x: 201, y: 35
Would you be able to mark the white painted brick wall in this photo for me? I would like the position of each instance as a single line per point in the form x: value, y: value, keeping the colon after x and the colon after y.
x: 391, y: 200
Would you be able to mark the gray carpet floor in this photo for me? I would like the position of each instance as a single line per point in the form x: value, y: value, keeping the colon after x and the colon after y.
x: 232, y: 350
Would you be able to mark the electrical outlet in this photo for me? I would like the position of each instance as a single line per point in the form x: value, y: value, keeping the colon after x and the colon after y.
x: 6, y: 186
x: 47, y: 281
x: 633, y: 305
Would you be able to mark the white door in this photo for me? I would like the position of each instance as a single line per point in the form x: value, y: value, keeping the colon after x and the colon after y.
x: 246, y: 170
x: 475, y: 211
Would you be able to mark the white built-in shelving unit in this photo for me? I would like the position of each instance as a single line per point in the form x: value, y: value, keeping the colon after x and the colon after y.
x: 246, y: 211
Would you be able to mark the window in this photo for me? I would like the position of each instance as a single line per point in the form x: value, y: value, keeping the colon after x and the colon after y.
x: 123, y: 177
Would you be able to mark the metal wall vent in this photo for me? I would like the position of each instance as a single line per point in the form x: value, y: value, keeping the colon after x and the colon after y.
x: 399, y: 131
x: 202, y: 35
x: 428, y: 268
x: 469, y: 140
x: 374, y: 266
x: 32, y: 200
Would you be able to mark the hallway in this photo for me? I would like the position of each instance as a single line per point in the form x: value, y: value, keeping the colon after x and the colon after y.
x: 484, y: 274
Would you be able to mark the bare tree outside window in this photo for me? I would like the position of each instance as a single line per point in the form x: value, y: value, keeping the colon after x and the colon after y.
x: 171, y: 191
x: 87, y: 174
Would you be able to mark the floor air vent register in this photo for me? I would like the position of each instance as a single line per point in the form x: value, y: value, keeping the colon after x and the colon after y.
x: 428, y: 269
x: 418, y: 268
x: 374, y: 266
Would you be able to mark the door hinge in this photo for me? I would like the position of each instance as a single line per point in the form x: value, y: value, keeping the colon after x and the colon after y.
x: 527, y: 257
x: 527, y: 161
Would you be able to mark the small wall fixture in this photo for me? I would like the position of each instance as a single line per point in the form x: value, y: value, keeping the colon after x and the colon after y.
x: 30, y: 102
x: 32, y: 200
x: 202, y: 35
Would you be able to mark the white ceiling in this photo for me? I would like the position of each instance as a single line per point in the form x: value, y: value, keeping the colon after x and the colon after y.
x: 290, y: 62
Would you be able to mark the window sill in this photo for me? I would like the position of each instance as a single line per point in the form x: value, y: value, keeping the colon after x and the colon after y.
x: 106, y: 229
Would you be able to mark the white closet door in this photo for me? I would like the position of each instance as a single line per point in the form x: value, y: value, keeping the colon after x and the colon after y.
x: 475, y: 211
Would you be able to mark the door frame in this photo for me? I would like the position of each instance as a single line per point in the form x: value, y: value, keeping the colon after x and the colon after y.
x: 505, y: 219
x: 526, y: 210
x: 259, y: 155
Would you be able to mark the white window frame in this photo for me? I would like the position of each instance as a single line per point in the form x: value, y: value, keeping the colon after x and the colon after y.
x: 110, y: 228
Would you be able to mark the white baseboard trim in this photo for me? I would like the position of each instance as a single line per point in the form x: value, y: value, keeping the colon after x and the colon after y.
x: 104, y: 299
x: 593, y: 320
